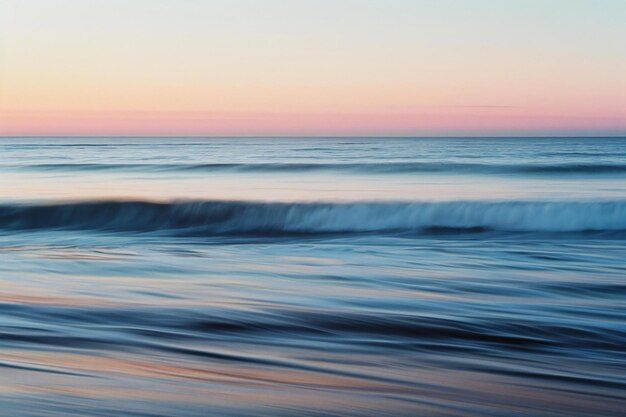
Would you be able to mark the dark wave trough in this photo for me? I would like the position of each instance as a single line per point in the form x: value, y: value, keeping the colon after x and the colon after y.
x: 354, y: 168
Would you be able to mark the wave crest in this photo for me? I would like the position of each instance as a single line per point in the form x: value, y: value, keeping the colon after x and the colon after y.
x: 235, y: 218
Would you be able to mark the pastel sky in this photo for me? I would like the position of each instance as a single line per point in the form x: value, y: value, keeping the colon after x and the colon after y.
x: 313, y: 67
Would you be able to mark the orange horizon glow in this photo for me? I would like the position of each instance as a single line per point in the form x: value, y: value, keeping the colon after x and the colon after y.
x: 462, y: 123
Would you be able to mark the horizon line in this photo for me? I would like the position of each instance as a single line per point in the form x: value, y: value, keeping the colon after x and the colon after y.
x: 618, y: 136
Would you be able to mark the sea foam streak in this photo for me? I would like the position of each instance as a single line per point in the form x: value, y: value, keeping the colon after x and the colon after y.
x: 241, y: 217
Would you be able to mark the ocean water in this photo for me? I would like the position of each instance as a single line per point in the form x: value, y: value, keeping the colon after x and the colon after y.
x: 312, y: 277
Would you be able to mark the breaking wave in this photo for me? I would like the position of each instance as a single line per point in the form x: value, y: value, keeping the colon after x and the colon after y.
x: 272, y: 218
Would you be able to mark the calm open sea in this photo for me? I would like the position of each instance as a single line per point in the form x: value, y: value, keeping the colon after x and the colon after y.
x: 313, y: 277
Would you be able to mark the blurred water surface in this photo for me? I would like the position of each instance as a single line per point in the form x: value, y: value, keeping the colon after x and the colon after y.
x: 291, y: 276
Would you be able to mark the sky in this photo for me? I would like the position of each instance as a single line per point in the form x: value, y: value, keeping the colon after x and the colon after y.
x: 313, y: 67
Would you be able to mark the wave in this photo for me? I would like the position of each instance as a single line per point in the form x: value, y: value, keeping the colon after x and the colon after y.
x: 207, y: 218
x: 149, y: 326
x: 358, y: 168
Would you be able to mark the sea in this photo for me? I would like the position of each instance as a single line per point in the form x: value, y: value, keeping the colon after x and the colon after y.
x: 149, y: 277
